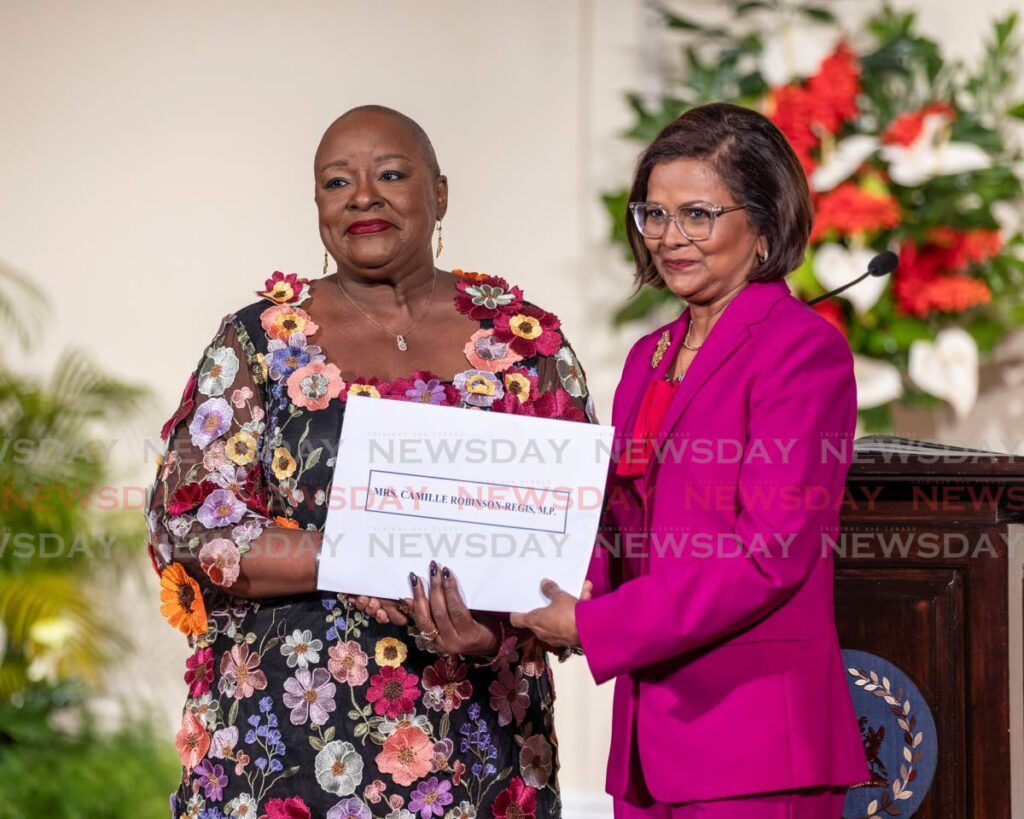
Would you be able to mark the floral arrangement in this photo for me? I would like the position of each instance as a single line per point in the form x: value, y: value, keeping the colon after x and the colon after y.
x: 904, y: 150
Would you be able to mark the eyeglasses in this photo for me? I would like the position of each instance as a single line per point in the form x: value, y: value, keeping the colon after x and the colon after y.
x: 695, y: 222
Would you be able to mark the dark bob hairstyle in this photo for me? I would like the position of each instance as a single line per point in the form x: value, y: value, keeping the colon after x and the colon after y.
x: 758, y: 167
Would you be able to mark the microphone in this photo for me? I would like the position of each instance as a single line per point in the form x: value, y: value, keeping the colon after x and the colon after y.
x: 882, y: 265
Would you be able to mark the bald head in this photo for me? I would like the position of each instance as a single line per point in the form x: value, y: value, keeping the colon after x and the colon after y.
x: 408, y: 123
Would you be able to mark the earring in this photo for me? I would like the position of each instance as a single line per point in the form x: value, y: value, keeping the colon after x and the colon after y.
x: 764, y: 256
x: 440, y: 241
x: 325, y: 264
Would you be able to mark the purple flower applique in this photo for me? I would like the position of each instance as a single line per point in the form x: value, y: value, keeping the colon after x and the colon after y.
x: 220, y: 508
x: 426, y: 392
x: 479, y: 388
x: 430, y: 798
x: 212, y: 779
x: 351, y: 808
x: 212, y: 419
x: 285, y: 358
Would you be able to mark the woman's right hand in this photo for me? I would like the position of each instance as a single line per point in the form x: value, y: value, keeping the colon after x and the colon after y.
x: 382, y: 610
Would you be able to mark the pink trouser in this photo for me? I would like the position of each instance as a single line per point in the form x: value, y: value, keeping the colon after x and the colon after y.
x: 815, y: 804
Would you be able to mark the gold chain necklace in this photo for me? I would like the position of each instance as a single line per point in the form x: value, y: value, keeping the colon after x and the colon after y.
x: 399, y: 337
x: 686, y: 339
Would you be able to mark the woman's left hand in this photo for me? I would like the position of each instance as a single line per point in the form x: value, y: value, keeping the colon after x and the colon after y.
x: 554, y: 624
x: 443, y: 619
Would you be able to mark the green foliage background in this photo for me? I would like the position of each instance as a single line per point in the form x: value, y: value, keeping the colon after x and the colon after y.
x: 57, y: 635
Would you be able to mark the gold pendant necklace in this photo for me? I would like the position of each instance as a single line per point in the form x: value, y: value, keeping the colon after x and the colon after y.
x: 400, y: 341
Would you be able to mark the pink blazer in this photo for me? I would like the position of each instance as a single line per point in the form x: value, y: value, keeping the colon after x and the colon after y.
x: 723, y: 642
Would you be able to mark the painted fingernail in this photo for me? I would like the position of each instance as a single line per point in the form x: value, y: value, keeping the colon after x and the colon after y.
x: 446, y: 573
x: 413, y: 579
x: 433, y: 567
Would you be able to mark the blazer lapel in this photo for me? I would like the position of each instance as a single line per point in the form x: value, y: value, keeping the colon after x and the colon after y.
x: 731, y: 330
x: 651, y: 371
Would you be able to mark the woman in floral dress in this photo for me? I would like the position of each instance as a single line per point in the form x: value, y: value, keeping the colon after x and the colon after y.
x: 299, y: 703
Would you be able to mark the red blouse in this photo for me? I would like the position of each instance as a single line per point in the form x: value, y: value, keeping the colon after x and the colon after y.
x: 649, y: 419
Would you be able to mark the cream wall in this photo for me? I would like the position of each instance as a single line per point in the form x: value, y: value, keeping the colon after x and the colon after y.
x: 156, y: 165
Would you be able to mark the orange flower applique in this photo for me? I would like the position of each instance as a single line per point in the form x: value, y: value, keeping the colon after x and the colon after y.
x: 181, y: 600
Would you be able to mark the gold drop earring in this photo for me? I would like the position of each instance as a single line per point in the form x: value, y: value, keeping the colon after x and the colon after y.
x: 325, y: 264
x: 440, y: 241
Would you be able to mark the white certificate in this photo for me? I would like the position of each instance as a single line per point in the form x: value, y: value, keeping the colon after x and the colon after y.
x: 502, y: 500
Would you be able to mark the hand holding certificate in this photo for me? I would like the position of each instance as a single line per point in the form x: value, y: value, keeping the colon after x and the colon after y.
x: 503, y: 500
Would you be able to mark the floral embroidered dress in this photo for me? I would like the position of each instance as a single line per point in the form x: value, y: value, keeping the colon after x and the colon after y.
x: 302, y: 706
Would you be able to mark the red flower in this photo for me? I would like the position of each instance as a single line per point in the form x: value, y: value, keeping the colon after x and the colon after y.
x: 189, y: 496
x: 199, y: 672
x: 930, y: 277
x: 529, y: 331
x: 372, y: 387
x: 850, y: 209
x: 484, y: 298
x: 399, y: 387
x: 184, y: 408
x: 834, y: 89
x: 449, y: 675
x: 293, y: 808
x: 558, y: 404
x: 832, y: 313
x: 252, y: 490
x: 393, y: 691
x: 284, y: 289
x: 517, y: 801
x: 791, y: 108
x: 946, y: 294
x: 823, y: 104
x: 520, y: 384
x: 968, y: 246
x: 555, y: 404
x: 906, y: 128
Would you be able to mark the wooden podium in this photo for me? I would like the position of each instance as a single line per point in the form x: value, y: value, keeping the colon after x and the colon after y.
x: 929, y: 576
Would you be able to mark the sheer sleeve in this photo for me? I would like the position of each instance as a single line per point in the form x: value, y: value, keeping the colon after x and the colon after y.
x: 209, y: 501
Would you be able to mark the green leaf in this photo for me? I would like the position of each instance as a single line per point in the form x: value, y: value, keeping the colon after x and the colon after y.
x: 353, y: 714
x: 233, y: 712
x: 317, y: 744
x: 367, y: 710
x: 1017, y: 110
x: 314, y: 458
x: 822, y: 15
x: 641, y: 305
x: 986, y: 332
x: 329, y: 734
x: 906, y: 330
x: 361, y: 729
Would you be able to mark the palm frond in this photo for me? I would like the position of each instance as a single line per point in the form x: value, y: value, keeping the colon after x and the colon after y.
x: 22, y: 305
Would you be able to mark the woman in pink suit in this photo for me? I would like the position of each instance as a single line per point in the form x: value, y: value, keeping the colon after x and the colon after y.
x: 712, y: 598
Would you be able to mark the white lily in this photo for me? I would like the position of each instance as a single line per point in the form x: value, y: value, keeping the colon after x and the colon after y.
x: 933, y: 154
x: 794, y: 51
x: 835, y: 265
x: 947, y: 368
x: 841, y: 163
x: 878, y: 382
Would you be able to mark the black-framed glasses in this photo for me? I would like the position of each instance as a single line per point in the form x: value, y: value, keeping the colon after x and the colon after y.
x: 695, y: 221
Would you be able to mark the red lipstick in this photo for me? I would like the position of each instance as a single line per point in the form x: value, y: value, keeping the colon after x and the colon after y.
x: 369, y: 226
